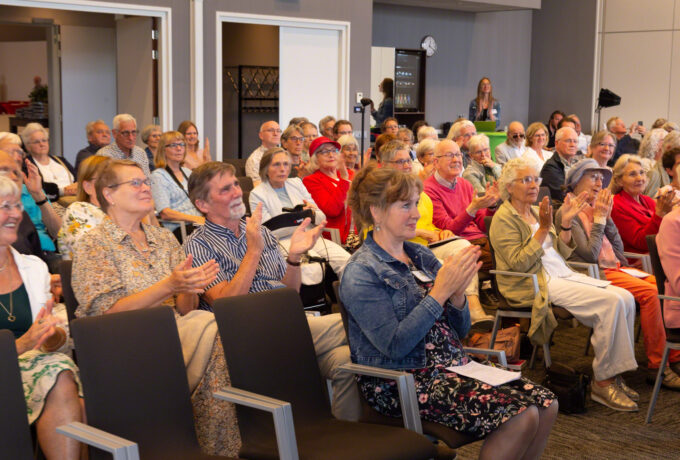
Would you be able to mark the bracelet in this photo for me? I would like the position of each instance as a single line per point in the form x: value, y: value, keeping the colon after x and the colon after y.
x: 565, y: 229
x: 41, y: 202
x: 294, y: 264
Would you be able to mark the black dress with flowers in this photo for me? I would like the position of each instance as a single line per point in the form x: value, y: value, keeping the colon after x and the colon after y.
x: 459, y: 402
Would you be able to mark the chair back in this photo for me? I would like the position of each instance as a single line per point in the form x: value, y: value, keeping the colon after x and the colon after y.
x: 543, y: 191
x: 15, y: 435
x: 238, y: 163
x: 656, y: 264
x: 135, y: 381
x: 269, y: 348
x: 70, y: 300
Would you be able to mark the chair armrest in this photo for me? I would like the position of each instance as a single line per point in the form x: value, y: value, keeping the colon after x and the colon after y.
x: 335, y: 235
x: 668, y: 297
x: 281, y: 411
x: 644, y: 258
x: 499, y: 354
x: 533, y: 277
x: 120, y: 448
x: 593, y: 269
x: 405, y: 385
x: 182, y: 225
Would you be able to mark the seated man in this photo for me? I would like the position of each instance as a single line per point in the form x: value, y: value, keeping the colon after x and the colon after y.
x: 624, y: 142
x: 456, y: 206
x: 342, y: 128
x: 270, y: 135
x: 513, y: 147
x: 124, y: 146
x: 461, y: 132
x: 250, y: 261
x: 583, y: 139
x: 98, y: 136
x: 557, y: 166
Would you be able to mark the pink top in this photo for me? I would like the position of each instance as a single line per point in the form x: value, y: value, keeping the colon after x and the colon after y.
x: 668, y: 244
x: 635, y: 220
x: 449, y: 208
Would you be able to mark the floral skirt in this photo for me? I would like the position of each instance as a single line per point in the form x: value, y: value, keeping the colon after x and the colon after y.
x: 39, y: 373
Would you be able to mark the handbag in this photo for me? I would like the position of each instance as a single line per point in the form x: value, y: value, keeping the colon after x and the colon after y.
x: 570, y: 387
x: 506, y: 339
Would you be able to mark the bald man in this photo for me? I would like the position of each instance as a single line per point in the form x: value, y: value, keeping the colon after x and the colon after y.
x: 270, y: 136
x: 513, y: 147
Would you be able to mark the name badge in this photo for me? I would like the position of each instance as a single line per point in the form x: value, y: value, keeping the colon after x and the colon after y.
x: 494, y: 111
x: 421, y: 276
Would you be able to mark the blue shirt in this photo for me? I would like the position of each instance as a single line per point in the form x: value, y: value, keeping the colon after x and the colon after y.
x: 167, y: 194
x: 34, y: 212
x: 212, y: 241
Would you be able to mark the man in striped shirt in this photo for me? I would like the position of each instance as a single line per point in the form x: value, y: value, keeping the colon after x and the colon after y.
x: 250, y: 261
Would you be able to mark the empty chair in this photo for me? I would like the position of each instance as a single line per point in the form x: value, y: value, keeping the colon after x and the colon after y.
x: 269, y: 348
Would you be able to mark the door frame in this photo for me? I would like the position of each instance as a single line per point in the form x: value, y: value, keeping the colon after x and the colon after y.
x: 165, y: 44
x: 343, y: 27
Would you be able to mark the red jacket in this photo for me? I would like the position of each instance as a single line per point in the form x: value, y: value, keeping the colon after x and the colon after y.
x: 635, y: 220
x: 331, y: 197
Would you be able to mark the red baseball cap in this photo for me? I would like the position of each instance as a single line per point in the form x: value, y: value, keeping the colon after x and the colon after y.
x: 318, y: 142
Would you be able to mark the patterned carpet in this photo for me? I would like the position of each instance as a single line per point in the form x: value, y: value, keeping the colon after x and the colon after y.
x: 602, y: 433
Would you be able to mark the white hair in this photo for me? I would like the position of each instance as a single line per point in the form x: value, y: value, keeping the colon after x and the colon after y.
x: 89, y: 128
x: 347, y: 139
x: 31, y: 129
x: 427, y: 132
x: 8, y: 188
x: 651, y: 143
x: 123, y: 118
x: 509, y: 173
x: 10, y: 137
x: 457, y: 127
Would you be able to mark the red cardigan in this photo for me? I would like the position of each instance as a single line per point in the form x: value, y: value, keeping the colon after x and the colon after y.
x: 331, y: 196
x: 635, y: 220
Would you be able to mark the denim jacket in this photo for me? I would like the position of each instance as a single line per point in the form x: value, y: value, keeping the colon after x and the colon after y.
x: 388, y: 317
x: 472, y: 115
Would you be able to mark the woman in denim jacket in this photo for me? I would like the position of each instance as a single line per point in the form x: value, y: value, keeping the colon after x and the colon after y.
x: 407, y: 311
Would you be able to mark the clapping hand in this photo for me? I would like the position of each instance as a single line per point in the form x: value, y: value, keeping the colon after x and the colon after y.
x: 254, y: 230
x: 455, y: 274
x: 187, y: 280
x: 42, y: 329
x: 603, y: 204
x: 302, y: 240
x: 572, y: 206
x: 545, y: 214
x: 666, y: 202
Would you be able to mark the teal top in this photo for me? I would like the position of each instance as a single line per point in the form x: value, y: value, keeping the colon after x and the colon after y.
x: 21, y: 310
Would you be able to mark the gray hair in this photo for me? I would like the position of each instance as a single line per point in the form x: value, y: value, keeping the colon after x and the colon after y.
x: 11, y: 138
x: 388, y: 150
x: 347, y: 139
x: 562, y: 132
x: 123, y: 118
x: 425, y: 146
x: 266, y: 160
x: 427, y: 132
x: 407, y: 131
x: 651, y: 143
x: 324, y: 120
x: 477, y: 141
x: 89, y: 128
x: 31, y: 129
x: 457, y: 127
x: 289, y: 132
x: 8, y: 188
x: 509, y: 173
x: 619, y: 166
x: 671, y: 126
x: 672, y: 140
x: 148, y: 129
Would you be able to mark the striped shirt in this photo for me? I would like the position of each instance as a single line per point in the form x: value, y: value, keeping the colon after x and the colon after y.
x: 137, y: 155
x: 212, y: 241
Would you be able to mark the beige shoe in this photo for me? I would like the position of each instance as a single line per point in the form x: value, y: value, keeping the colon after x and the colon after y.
x: 613, y: 397
x: 632, y: 394
x: 671, y: 380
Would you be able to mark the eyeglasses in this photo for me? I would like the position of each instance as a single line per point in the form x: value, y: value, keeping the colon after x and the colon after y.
x: 469, y: 135
x: 350, y: 148
x: 39, y: 141
x: 518, y: 136
x: 570, y: 141
x: 450, y: 155
x: 327, y: 152
x: 7, y: 207
x: 174, y: 145
x: 344, y: 133
x: 405, y: 161
x: 609, y: 146
x: 136, y: 183
x: 596, y: 177
x: 126, y: 133
x: 273, y: 131
x: 296, y: 139
x: 526, y: 180
x: 155, y: 135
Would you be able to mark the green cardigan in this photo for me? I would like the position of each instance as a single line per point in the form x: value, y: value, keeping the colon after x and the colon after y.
x: 516, y: 250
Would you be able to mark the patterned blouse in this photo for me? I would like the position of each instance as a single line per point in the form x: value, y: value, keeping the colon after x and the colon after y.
x: 107, y: 266
x: 80, y: 217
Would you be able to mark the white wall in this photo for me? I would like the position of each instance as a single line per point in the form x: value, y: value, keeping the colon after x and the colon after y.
x: 88, y: 75
x: 640, y: 59
x: 19, y: 63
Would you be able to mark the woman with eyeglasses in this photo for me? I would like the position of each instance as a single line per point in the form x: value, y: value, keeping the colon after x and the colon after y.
x: 329, y: 184
x: 293, y: 141
x: 598, y: 242
x: 195, y: 155
x: 601, y: 148
x: 524, y: 240
x: 481, y: 172
x: 537, y: 137
x: 56, y: 173
x: 170, y: 182
x: 124, y: 264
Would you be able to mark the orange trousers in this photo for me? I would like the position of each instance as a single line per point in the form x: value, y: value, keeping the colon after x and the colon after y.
x: 645, y: 293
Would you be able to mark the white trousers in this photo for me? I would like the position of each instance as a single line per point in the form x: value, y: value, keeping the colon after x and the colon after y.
x: 453, y: 248
x: 610, y: 312
x: 312, y: 273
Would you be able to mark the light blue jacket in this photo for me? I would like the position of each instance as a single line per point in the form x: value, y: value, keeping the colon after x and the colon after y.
x: 472, y: 115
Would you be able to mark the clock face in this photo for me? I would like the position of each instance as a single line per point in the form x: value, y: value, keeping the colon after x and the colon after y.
x: 429, y: 45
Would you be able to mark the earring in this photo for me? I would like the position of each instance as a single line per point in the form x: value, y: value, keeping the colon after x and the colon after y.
x: 377, y: 227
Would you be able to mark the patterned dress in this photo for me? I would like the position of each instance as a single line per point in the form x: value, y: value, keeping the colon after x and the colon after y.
x: 107, y: 267
x: 80, y: 217
x: 459, y: 402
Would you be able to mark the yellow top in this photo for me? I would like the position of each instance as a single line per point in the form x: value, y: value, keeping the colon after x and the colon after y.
x: 424, y: 222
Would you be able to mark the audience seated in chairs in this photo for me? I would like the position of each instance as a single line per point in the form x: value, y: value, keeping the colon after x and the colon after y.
x: 456, y: 206
x: 349, y: 154
x: 635, y: 214
x: 329, y: 184
x: 556, y: 167
x: 50, y: 378
x: 277, y: 192
x: 651, y: 149
x: 525, y: 241
x: 250, y: 261
x: 482, y: 171
x: 537, y: 138
x: 513, y: 147
x: 342, y: 128
x: 310, y: 133
x: 461, y: 132
x: 597, y: 241
x: 124, y: 142
x: 293, y: 140
x: 195, y: 155
x: 407, y: 311
x: 326, y: 125
x: 601, y: 148
x: 98, y: 135
x: 84, y: 214
x: 170, y: 183
x: 663, y: 173
x: 151, y: 134
x: 123, y: 264
x: 270, y: 136
x: 395, y: 155
x: 668, y: 243
x: 625, y: 143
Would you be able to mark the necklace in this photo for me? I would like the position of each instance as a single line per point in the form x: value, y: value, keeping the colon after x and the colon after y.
x: 10, y: 313
x: 2, y: 269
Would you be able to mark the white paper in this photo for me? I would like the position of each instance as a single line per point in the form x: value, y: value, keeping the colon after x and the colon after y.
x: 635, y: 272
x: 487, y: 374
